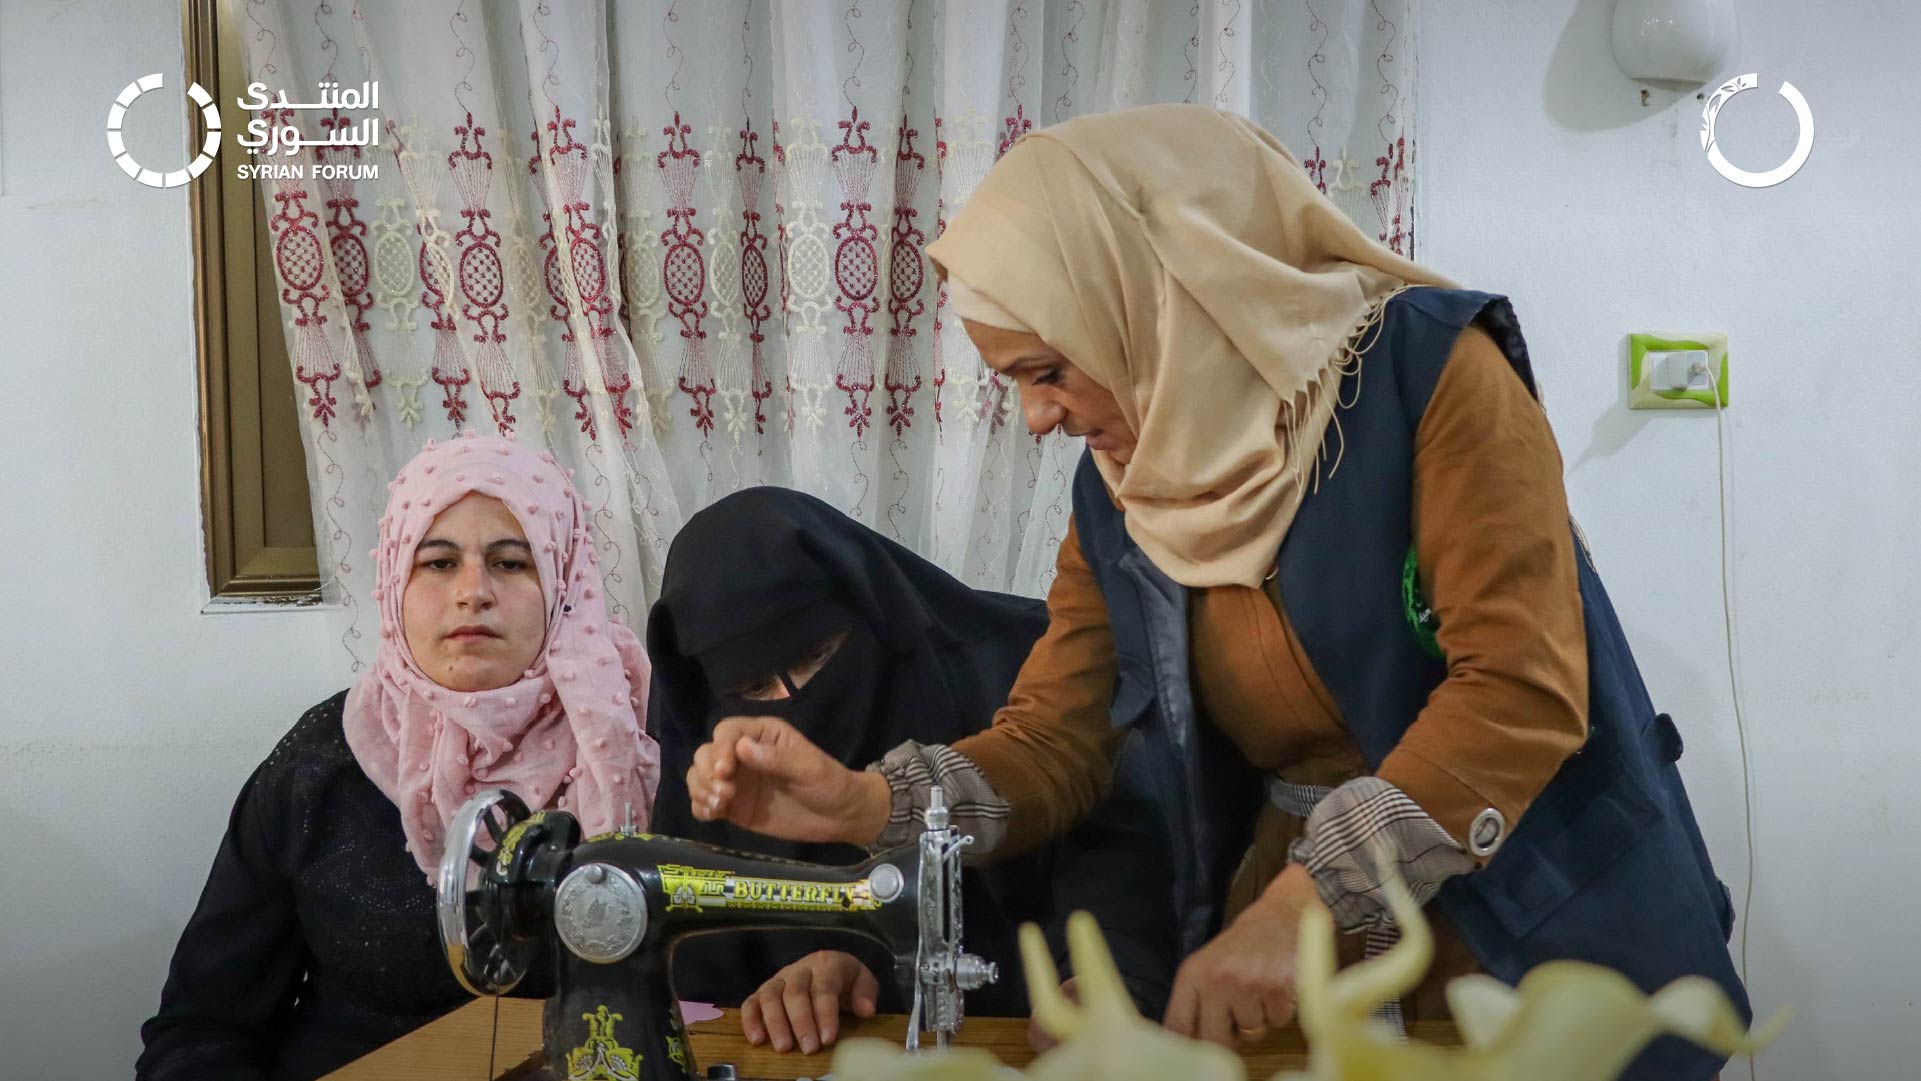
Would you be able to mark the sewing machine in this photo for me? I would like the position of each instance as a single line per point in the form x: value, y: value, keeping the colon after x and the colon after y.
x: 618, y: 902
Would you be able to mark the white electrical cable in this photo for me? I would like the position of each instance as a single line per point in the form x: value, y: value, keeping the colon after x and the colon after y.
x: 1734, y: 686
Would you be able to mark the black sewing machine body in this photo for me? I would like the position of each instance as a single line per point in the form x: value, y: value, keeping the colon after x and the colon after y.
x: 615, y: 905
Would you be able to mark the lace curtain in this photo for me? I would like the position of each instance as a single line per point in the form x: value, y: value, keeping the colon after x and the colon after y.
x: 680, y: 243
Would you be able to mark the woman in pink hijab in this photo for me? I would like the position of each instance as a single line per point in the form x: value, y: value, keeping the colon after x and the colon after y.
x: 314, y: 941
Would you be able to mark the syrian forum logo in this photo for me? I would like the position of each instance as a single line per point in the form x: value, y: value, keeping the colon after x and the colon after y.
x: 117, y: 115
x: 263, y: 136
x: 1803, y: 145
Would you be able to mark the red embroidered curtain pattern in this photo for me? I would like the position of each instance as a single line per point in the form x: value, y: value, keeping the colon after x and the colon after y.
x: 680, y: 243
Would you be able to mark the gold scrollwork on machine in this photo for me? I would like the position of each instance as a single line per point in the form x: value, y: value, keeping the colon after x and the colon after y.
x: 602, y: 1058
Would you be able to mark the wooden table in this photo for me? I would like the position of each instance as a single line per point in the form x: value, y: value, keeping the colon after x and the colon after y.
x: 455, y: 1048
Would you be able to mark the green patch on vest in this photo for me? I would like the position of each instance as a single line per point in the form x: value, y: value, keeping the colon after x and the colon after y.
x: 1420, y: 615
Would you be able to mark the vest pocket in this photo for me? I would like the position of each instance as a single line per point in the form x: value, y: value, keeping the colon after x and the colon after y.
x: 1583, y: 825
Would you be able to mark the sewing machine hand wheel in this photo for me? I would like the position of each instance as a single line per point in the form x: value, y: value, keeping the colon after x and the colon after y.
x: 485, y: 958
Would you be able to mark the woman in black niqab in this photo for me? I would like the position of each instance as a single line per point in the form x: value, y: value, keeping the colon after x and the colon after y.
x: 768, y: 584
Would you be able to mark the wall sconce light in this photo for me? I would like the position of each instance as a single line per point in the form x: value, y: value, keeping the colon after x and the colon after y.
x: 1680, y: 43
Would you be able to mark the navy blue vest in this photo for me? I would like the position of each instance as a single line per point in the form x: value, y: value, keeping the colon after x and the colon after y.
x: 1606, y: 866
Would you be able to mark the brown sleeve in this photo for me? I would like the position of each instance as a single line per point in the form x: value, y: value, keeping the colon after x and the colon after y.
x: 1497, y: 565
x: 1050, y: 752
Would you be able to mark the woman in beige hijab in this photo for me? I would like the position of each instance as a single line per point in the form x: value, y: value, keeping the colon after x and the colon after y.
x: 1320, y: 554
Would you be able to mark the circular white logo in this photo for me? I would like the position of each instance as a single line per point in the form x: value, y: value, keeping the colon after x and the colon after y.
x: 1802, y: 146
x: 115, y: 143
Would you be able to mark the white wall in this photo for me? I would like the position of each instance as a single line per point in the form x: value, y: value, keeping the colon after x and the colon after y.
x: 129, y: 718
x: 1547, y: 180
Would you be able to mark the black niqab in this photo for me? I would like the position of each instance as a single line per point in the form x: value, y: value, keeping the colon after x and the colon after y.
x: 753, y: 583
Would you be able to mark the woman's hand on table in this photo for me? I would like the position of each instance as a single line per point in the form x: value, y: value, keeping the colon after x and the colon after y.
x: 761, y: 774
x: 1238, y: 987
x: 801, y: 1005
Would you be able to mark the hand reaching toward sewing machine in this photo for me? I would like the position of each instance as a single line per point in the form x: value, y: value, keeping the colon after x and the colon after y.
x: 801, y: 1005
x: 761, y: 774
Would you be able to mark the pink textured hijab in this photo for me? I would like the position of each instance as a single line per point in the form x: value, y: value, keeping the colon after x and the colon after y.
x: 570, y: 733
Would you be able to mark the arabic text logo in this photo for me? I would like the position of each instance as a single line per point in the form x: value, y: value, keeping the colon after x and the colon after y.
x: 117, y: 115
x: 274, y: 131
x: 1802, y: 146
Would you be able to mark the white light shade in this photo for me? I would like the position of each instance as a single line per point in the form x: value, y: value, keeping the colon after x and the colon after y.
x: 1675, y: 41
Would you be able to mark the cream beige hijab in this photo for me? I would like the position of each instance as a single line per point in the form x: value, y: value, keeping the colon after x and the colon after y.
x: 1182, y: 258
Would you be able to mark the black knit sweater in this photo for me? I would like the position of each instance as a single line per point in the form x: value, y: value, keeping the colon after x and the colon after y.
x: 315, y: 939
